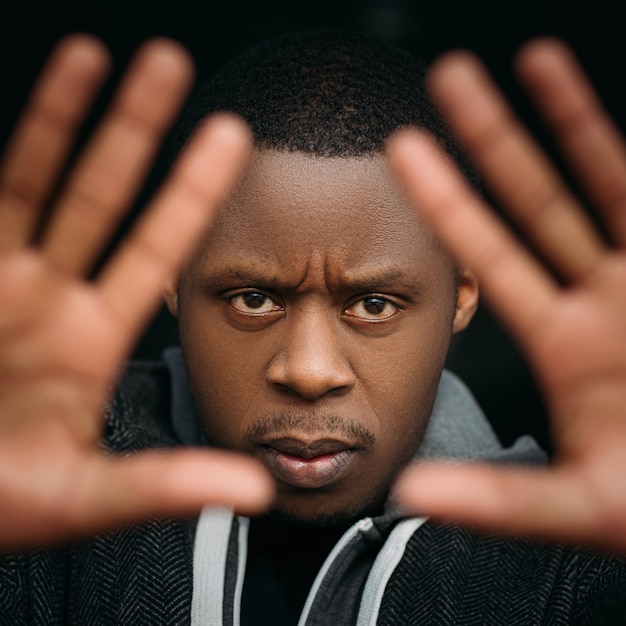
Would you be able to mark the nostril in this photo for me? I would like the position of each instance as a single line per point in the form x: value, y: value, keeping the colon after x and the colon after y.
x: 311, y: 363
x: 311, y: 389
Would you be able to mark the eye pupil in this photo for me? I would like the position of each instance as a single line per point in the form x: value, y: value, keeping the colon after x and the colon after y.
x: 374, y: 306
x: 254, y: 300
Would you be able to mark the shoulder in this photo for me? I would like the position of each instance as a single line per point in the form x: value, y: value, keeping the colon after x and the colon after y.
x: 474, y: 578
x: 139, y: 413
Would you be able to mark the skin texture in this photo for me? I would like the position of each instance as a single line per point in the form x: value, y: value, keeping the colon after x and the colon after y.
x: 565, y: 305
x: 63, y: 337
x: 316, y: 317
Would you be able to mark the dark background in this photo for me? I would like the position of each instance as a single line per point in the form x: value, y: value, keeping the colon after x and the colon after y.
x: 215, y: 31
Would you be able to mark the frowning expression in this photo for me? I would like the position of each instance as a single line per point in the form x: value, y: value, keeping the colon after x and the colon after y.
x: 315, y: 319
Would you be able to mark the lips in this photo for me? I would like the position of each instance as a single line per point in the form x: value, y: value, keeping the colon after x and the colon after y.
x: 308, y: 465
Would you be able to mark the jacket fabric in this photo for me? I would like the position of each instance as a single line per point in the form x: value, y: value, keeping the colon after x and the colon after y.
x: 386, y: 570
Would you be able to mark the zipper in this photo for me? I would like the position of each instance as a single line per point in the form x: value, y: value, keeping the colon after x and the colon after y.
x: 361, y: 526
x: 383, y: 567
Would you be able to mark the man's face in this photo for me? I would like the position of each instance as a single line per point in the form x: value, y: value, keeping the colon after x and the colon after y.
x: 315, y: 319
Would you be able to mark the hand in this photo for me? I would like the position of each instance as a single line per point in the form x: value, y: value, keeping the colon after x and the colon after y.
x: 62, y: 339
x: 566, y: 310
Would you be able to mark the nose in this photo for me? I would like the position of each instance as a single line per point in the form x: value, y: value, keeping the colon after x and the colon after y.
x: 310, y: 362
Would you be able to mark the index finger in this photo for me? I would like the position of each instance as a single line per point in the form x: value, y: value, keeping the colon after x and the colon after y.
x: 132, y: 283
x: 516, y: 285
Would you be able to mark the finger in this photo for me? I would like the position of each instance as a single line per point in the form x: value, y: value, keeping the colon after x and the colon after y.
x: 516, y: 170
x: 512, y: 281
x: 109, y: 492
x: 133, y: 281
x: 180, y: 483
x: 588, y: 137
x: 108, y: 175
x: 45, y: 133
x: 532, y: 502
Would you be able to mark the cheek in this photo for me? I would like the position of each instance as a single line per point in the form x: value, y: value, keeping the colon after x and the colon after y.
x: 402, y: 376
x: 222, y: 373
x: 406, y: 366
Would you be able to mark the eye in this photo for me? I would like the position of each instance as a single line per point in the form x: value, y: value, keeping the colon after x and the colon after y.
x: 253, y: 303
x: 372, y: 308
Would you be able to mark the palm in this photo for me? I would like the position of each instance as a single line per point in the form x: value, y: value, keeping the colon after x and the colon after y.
x: 580, y: 338
x: 71, y: 330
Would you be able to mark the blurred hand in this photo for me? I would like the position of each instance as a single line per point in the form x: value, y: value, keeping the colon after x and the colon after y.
x: 567, y: 308
x: 62, y: 339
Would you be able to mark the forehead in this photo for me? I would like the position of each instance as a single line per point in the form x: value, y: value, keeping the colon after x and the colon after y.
x: 290, y: 208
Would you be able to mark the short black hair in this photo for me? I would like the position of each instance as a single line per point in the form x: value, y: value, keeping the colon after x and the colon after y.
x: 324, y: 92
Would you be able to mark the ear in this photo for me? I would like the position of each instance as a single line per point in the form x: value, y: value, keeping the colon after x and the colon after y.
x: 170, y: 295
x: 466, y: 299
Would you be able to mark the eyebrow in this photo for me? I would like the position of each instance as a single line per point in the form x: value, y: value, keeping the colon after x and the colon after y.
x: 229, y: 275
x: 386, y: 279
x: 381, y: 279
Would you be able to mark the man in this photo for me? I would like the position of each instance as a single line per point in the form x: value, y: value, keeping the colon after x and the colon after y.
x: 313, y: 341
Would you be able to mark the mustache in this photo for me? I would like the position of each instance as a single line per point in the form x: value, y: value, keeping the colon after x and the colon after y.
x: 312, y: 422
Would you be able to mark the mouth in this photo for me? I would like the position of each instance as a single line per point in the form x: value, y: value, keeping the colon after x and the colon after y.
x: 308, y: 465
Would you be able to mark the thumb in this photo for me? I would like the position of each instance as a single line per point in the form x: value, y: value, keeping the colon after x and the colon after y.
x: 534, y: 502
x: 165, y: 484
x: 174, y: 483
